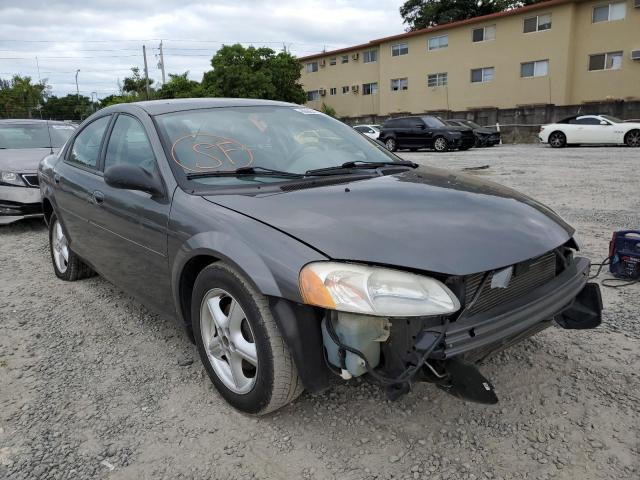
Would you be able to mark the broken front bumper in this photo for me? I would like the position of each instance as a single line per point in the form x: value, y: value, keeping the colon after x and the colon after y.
x: 17, y: 203
x: 567, y: 299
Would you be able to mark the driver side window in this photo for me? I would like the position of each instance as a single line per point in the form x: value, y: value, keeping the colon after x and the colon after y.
x: 129, y: 145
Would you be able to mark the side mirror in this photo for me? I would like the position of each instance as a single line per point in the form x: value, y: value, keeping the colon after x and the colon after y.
x: 602, y: 122
x: 130, y: 177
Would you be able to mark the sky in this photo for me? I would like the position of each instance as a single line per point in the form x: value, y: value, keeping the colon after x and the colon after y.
x: 103, y: 39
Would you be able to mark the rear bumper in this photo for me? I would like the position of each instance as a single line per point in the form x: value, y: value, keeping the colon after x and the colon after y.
x: 489, y: 331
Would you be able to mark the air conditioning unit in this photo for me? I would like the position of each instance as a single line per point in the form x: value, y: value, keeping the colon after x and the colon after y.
x: 323, y: 91
x: 323, y: 63
x: 635, y: 54
x: 355, y: 56
x: 355, y: 88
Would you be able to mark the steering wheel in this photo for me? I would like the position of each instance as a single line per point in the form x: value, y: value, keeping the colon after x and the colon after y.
x: 307, y: 148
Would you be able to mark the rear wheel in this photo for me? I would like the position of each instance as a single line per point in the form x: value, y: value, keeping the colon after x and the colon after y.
x: 632, y: 138
x: 391, y: 144
x: 66, y: 264
x: 440, y: 144
x: 557, y: 140
x: 239, y: 343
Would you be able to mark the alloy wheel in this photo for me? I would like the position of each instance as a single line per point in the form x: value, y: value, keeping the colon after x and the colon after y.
x: 556, y: 140
x: 440, y: 144
x: 228, y: 341
x: 60, y: 248
x: 391, y: 144
x: 633, y: 138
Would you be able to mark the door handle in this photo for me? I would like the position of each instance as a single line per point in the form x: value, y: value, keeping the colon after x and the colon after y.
x: 97, y: 197
x: 56, y: 178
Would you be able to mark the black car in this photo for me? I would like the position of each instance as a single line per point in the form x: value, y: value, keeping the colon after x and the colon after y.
x: 485, y: 136
x: 293, y: 248
x: 425, y: 131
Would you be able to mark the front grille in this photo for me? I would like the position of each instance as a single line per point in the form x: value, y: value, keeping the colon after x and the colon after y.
x: 31, y: 179
x: 526, y: 277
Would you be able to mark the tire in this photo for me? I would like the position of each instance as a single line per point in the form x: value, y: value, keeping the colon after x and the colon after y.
x: 632, y: 138
x: 557, y: 139
x: 66, y: 264
x: 391, y: 144
x: 440, y: 144
x: 266, y: 382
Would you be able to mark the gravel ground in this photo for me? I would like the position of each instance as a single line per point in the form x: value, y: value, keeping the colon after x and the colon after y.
x: 92, y: 385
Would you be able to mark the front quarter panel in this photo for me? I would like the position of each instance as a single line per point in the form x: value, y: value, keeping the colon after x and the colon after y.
x: 269, y: 258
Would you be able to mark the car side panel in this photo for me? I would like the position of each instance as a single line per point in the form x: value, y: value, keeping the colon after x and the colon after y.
x: 270, y: 259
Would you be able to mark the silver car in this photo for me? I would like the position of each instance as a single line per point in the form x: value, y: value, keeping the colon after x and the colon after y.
x: 23, y: 143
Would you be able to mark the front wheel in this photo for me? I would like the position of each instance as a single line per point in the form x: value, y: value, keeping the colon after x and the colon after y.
x: 632, y: 138
x: 391, y: 144
x: 440, y: 144
x: 239, y: 342
x: 557, y: 140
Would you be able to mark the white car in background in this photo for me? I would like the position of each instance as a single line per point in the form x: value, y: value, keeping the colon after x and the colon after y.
x: 590, y: 129
x: 371, y: 131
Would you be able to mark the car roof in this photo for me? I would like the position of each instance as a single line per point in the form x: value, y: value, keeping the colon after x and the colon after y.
x: 159, y: 107
x: 27, y: 121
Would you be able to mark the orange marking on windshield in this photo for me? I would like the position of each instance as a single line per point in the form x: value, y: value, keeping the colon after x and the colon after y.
x: 207, y: 150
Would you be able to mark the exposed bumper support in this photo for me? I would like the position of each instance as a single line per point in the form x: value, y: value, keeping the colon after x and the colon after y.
x: 567, y: 298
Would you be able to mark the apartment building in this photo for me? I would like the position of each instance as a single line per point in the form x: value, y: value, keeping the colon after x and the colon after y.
x: 560, y: 52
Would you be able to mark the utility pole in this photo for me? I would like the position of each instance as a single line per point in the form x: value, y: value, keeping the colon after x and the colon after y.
x: 77, y: 89
x: 162, y: 63
x: 38, y: 66
x: 146, y: 69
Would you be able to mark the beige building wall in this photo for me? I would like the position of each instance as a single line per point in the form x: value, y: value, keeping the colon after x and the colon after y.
x: 566, y: 46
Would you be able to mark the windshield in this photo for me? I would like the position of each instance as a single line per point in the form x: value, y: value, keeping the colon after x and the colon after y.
x: 612, y: 119
x: 472, y: 124
x: 434, y: 122
x: 34, y: 135
x: 287, y: 139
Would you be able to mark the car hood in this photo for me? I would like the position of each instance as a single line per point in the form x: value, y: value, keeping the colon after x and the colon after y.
x: 23, y: 160
x: 425, y: 219
x: 485, y: 131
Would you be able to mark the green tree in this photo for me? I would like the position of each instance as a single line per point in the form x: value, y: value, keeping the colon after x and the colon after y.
x: 328, y: 110
x: 21, y: 98
x: 69, y: 107
x: 179, y: 86
x: 136, y: 84
x: 254, y: 73
x: 419, y: 14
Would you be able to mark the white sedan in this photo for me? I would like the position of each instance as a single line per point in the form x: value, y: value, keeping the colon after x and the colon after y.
x: 371, y: 131
x: 593, y: 129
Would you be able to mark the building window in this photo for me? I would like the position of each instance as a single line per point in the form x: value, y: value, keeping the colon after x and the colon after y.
x: 482, y: 75
x: 345, y: 89
x: 609, y: 13
x: 537, y: 23
x: 370, y: 56
x: 605, y: 61
x: 435, y: 43
x: 369, y: 88
x: 344, y: 59
x: 312, y: 67
x: 313, y: 95
x: 399, y: 49
x: 333, y: 91
x: 399, y: 84
x: 484, y: 33
x: 539, y: 68
x: 437, y: 80
x: 332, y: 61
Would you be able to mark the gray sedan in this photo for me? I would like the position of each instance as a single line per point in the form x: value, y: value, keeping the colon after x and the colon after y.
x: 23, y: 143
x: 292, y: 248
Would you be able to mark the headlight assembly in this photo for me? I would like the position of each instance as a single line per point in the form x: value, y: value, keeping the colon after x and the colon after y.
x: 11, y: 178
x: 374, y: 290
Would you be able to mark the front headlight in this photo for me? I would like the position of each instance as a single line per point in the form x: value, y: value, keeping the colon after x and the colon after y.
x: 11, y: 178
x: 374, y: 291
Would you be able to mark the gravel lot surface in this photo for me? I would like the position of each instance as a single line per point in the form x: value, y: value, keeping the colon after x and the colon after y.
x: 92, y: 385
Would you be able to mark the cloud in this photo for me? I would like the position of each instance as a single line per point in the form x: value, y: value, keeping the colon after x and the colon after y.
x: 104, y: 38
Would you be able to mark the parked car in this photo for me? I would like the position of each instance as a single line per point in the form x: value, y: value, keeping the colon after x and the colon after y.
x: 289, y: 261
x: 371, y: 131
x: 23, y: 143
x: 425, y: 131
x: 590, y: 129
x: 485, y: 136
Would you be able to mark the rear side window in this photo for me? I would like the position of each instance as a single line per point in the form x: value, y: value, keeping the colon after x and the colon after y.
x: 86, y: 146
x: 587, y: 121
x: 129, y: 145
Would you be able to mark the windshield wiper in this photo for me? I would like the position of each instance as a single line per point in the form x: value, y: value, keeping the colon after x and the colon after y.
x: 245, y: 171
x: 359, y: 164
